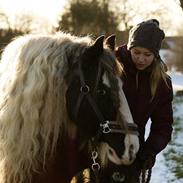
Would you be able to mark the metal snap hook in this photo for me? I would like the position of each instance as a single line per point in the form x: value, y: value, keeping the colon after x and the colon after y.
x: 94, y: 154
x: 85, y: 89
x: 95, y: 165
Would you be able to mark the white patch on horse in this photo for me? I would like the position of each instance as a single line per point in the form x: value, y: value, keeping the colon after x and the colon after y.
x: 131, y: 141
x: 124, y: 108
x: 105, y: 80
x: 124, y: 160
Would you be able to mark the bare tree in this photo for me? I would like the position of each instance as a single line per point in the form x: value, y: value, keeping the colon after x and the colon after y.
x: 181, y: 3
x: 10, y: 29
x: 4, y: 20
x: 88, y: 17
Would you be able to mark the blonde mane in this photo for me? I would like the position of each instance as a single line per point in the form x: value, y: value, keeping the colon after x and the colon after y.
x: 32, y: 101
x: 34, y: 72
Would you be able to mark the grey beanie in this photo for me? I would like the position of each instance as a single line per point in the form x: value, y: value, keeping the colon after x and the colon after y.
x: 147, y: 34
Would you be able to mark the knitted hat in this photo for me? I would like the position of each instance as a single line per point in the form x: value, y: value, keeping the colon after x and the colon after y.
x: 147, y: 34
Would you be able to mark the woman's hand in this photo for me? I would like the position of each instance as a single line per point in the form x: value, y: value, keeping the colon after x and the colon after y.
x: 147, y: 159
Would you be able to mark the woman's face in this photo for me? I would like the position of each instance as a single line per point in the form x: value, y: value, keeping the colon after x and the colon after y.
x: 141, y: 57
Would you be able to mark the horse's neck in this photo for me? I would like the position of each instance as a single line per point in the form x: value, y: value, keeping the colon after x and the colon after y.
x: 74, y: 159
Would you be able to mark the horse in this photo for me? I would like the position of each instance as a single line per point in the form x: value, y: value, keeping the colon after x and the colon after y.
x: 62, y: 109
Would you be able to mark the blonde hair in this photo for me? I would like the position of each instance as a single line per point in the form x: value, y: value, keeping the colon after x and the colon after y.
x: 32, y: 101
x: 158, y: 73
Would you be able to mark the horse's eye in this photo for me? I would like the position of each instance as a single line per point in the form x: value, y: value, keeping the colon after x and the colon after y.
x: 101, y: 92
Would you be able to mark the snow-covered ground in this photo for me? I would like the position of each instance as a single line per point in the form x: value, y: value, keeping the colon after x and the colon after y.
x: 161, y: 172
x: 177, y: 80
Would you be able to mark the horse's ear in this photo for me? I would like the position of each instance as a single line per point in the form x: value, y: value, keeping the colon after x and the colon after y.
x: 111, y: 41
x: 97, y: 47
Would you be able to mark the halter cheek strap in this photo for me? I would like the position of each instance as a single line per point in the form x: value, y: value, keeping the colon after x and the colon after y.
x: 85, y: 91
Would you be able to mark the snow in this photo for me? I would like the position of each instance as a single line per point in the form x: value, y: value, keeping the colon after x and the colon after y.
x: 161, y: 172
x: 177, y: 80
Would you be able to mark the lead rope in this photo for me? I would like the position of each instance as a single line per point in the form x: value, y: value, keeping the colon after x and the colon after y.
x: 146, y: 175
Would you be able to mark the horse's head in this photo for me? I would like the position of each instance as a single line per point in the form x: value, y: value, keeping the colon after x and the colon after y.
x: 95, y: 101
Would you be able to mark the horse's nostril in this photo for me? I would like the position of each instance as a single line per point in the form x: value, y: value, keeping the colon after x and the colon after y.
x: 131, y: 147
x: 118, y: 177
x: 131, y: 152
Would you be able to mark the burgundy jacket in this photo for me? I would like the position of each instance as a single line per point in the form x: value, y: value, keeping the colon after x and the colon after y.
x: 67, y: 162
x: 159, y: 110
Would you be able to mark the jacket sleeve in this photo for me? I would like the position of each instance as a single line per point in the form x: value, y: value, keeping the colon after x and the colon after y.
x: 162, y: 119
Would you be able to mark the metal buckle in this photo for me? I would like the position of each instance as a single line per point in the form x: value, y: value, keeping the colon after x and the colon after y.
x: 95, y: 165
x: 105, y: 127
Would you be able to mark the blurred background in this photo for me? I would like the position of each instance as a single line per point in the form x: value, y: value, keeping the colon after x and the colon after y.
x: 95, y: 17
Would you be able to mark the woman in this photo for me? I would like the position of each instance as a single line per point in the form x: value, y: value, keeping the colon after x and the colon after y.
x: 148, y: 90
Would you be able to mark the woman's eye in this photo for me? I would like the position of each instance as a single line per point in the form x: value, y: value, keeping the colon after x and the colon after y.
x: 148, y: 55
x: 101, y: 92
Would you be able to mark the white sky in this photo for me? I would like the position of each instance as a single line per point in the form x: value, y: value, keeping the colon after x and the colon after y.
x: 48, y: 9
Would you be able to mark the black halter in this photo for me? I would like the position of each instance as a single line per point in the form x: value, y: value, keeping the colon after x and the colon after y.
x: 106, y: 126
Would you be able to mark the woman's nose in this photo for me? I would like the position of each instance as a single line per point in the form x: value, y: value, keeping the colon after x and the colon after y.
x: 141, y: 58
